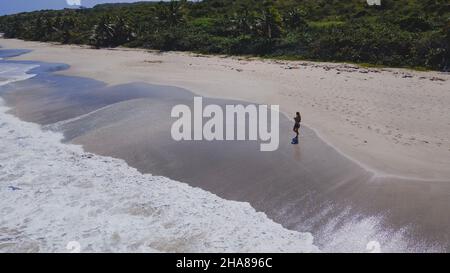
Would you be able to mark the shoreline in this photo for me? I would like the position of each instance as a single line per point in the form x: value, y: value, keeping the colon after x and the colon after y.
x: 93, y: 199
x: 384, y: 151
x: 338, y: 183
x: 134, y: 204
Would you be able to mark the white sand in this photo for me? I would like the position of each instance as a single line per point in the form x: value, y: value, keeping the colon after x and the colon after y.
x: 393, y: 121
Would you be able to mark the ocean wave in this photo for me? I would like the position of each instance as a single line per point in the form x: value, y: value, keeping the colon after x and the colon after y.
x: 53, y: 193
x: 13, y: 72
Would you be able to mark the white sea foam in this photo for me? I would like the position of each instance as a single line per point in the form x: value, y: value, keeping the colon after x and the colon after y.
x: 53, y: 193
x: 13, y: 72
x: 349, y: 232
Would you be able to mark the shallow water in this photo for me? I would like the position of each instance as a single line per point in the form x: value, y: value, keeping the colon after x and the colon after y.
x: 55, y: 197
x: 310, y: 187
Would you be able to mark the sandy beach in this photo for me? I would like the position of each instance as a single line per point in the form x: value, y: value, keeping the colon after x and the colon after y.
x: 394, y: 122
x: 56, y: 197
x: 309, y: 187
x: 343, y: 192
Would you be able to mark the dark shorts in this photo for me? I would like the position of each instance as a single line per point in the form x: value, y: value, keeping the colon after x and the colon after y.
x: 296, y: 126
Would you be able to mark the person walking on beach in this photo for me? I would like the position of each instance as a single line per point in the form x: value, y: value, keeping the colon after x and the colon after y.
x: 297, y: 119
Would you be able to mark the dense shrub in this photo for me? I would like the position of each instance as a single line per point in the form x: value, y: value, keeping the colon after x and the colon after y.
x: 414, y: 33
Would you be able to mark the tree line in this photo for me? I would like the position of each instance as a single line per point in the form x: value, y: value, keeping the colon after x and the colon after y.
x: 401, y: 33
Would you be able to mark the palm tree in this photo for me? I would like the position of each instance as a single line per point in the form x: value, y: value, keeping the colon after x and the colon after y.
x: 172, y: 13
x: 66, y: 27
x: 293, y: 19
x: 103, y: 33
x: 269, y: 23
x: 121, y: 32
x: 243, y: 20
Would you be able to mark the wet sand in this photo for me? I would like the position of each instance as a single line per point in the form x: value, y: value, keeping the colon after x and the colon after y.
x: 394, y: 121
x: 310, y: 187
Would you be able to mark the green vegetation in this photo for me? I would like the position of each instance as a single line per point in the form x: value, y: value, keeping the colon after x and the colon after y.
x: 408, y: 33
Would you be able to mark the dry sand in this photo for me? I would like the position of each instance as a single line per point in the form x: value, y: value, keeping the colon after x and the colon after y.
x: 393, y: 121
